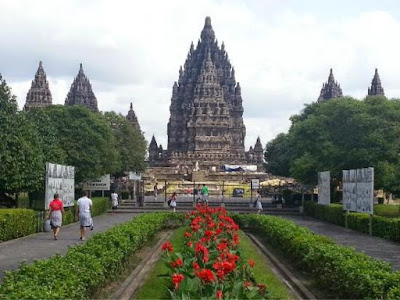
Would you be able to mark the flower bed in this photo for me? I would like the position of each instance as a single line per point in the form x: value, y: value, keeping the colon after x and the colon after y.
x: 210, y: 265
x: 86, y: 267
x: 341, y: 271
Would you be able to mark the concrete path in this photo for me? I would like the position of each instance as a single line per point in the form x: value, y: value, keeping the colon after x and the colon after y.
x: 42, y: 245
x: 373, y: 246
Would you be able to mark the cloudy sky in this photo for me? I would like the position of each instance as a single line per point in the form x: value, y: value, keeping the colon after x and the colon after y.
x: 131, y: 51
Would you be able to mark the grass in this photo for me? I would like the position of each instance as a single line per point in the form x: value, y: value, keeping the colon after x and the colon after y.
x: 152, y: 288
x: 155, y: 286
x: 261, y: 271
x: 386, y: 210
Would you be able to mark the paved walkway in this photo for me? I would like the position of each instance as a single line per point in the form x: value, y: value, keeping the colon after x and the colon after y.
x: 42, y: 245
x: 373, y: 246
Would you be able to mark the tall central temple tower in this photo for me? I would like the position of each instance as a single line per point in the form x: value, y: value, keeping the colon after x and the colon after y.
x: 206, y: 121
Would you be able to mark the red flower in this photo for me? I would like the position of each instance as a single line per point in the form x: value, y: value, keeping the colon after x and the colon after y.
x: 248, y: 284
x: 189, y: 244
x: 176, y: 280
x: 187, y: 235
x: 196, y: 266
x: 251, y: 263
x: 173, y: 264
x: 221, y: 274
x: 219, y: 295
x: 167, y: 246
x: 206, y: 275
x: 262, y: 288
x: 179, y: 262
x: 222, y: 246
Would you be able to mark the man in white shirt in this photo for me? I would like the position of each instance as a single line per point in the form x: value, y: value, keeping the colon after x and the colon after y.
x: 114, y: 201
x: 83, y: 213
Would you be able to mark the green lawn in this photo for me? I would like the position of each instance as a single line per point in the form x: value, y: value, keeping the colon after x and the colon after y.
x: 155, y: 285
x: 387, y: 210
x: 261, y: 271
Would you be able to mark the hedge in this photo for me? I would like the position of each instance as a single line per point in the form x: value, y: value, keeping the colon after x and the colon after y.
x: 387, y: 228
x: 86, y: 267
x: 339, y: 270
x: 19, y: 222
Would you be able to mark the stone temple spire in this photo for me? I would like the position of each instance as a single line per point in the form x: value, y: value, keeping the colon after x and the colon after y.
x: 131, y: 117
x: 330, y: 89
x: 81, y: 92
x: 39, y: 94
x: 206, y: 111
x: 376, y: 88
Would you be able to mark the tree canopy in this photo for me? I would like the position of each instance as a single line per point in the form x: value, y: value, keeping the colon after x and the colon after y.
x: 340, y: 134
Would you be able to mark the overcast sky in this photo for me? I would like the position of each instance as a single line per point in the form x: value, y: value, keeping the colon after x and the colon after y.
x: 131, y: 51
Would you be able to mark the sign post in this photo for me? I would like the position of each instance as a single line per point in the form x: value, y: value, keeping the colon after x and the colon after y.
x: 100, y: 184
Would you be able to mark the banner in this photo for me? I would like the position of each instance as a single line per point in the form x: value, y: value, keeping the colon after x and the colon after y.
x: 324, y: 188
x: 60, y: 180
x: 358, y: 190
x: 101, y: 184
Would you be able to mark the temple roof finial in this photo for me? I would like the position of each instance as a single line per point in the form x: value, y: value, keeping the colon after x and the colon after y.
x: 376, y: 88
x: 330, y: 89
x: 131, y: 107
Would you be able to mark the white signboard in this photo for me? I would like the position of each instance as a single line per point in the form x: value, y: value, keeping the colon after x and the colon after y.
x: 60, y: 180
x: 358, y: 190
x: 255, y: 184
x: 134, y: 176
x: 101, y: 184
x: 324, y: 188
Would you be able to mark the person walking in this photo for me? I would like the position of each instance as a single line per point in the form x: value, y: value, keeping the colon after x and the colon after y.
x: 258, y: 202
x: 204, y: 192
x: 155, y: 191
x: 83, y: 214
x: 56, y: 212
x: 114, y: 201
x: 172, y: 201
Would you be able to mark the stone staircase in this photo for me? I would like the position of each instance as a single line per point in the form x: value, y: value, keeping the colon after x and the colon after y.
x: 131, y: 206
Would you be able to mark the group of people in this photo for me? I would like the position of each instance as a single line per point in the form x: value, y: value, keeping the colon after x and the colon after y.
x: 83, y: 214
x: 200, y: 194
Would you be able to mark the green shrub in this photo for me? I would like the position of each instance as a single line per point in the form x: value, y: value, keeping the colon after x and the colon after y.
x: 86, y: 267
x: 385, y: 210
x: 332, y: 213
x: 341, y: 271
x: 358, y: 222
x: 17, y: 222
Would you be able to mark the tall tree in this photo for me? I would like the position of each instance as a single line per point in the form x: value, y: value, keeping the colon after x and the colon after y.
x: 21, y: 167
x: 130, y: 143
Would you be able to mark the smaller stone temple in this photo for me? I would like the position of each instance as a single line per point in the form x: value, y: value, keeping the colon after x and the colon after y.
x: 330, y: 89
x: 81, y: 92
x: 376, y: 88
x: 131, y: 117
x: 39, y: 94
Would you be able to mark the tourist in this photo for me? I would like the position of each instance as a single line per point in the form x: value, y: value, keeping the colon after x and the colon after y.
x: 114, y: 201
x: 56, y: 212
x: 155, y: 191
x: 198, y: 194
x: 258, y: 203
x: 204, y: 192
x: 83, y: 214
x: 172, y: 201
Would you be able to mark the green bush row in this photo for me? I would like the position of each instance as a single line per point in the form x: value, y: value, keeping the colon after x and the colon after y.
x: 86, y: 267
x: 17, y: 222
x: 340, y: 271
x: 387, y: 228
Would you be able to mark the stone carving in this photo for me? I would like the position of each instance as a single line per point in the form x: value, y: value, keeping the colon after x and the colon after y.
x: 376, y: 88
x: 131, y: 117
x: 39, y: 94
x: 81, y: 92
x: 330, y: 89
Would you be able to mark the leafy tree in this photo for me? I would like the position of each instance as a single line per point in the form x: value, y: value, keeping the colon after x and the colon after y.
x: 86, y: 139
x: 278, y: 153
x: 130, y: 143
x: 21, y: 167
x: 343, y: 134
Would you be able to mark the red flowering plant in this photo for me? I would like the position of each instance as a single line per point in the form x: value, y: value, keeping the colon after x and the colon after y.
x: 210, y: 265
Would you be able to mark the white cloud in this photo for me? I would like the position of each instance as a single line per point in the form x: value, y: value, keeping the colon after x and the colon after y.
x: 132, y: 51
